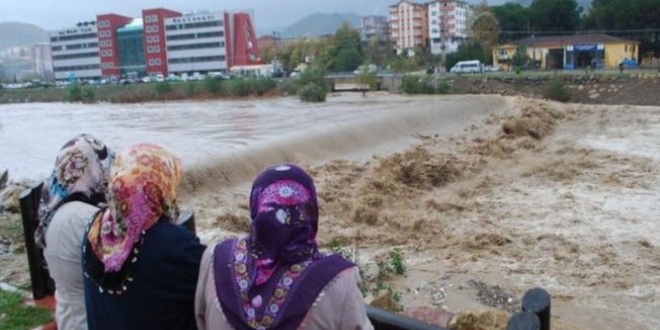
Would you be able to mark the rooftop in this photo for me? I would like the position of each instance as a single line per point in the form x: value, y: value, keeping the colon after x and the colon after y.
x: 549, y: 41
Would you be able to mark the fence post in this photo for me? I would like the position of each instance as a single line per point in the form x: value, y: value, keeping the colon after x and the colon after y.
x: 42, y: 284
x: 537, y: 301
x: 524, y: 321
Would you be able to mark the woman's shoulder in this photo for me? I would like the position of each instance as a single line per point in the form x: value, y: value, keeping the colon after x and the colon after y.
x: 76, y: 209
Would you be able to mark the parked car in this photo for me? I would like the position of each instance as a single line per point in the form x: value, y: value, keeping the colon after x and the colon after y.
x: 372, y: 68
x: 629, y: 63
x: 492, y: 68
x: 473, y: 66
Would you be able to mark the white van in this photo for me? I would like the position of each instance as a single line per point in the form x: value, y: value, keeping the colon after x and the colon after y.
x: 467, y: 67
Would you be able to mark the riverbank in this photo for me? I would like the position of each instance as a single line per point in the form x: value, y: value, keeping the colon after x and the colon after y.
x: 480, y: 197
x: 208, y: 89
x: 639, y: 87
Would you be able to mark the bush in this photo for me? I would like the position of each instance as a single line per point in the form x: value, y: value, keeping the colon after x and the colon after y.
x: 163, y: 88
x: 312, y: 93
x: 314, y: 74
x: 442, y: 87
x: 74, y: 93
x: 264, y: 85
x: 240, y: 86
x: 557, y: 91
x: 213, y: 85
x: 88, y: 94
x: 417, y: 85
x: 190, y: 89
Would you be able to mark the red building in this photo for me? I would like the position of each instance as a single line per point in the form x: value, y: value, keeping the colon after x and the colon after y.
x: 107, y: 26
x: 244, y: 49
x: 163, y: 41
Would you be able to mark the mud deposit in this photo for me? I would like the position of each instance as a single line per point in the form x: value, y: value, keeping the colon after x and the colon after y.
x: 558, y: 196
x: 487, y: 197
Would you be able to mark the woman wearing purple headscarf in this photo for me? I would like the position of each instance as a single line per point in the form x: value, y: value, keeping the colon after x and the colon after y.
x: 276, y: 278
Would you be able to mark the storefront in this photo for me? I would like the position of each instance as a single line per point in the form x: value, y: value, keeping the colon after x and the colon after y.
x: 585, y: 55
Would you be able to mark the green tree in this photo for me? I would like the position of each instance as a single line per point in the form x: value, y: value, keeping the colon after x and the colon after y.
x: 520, y: 58
x: 485, y: 28
x: 367, y: 77
x: 347, y: 49
x: 347, y: 59
x: 513, y: 20
x: 628, y: 15
x: 555, y: 15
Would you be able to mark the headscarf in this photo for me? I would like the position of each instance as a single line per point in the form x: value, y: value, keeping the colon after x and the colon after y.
x: 285, y: 214
x: 142, y: 191
x: 80, y: 173
x: 276, y: 273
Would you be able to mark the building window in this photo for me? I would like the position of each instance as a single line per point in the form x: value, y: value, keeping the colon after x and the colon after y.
x: 193, y: 25
x: 197, y: 46
x: 196, y: 59
x: 72, y: 56
x: 76, y: 68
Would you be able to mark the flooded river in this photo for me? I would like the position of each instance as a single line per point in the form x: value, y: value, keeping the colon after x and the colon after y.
x: 31, y: 134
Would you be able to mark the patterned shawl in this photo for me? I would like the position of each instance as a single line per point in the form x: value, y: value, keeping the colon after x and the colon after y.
x: 276, y: 273
x: 142, y: 190
x: 81, y: 173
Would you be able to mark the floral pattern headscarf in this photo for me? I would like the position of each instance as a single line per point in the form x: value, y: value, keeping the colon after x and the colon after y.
x: 142, y: 190
x: 81, y: 173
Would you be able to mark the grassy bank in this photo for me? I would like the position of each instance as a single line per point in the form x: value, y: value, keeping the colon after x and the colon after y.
x: 15, y: 315
x: 135, y: 93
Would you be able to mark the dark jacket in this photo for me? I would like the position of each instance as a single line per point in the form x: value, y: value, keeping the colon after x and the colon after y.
x: 162, y: 291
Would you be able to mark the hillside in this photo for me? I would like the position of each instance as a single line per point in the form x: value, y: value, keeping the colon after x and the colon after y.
x: 319, y: 24
x: 20, y: 34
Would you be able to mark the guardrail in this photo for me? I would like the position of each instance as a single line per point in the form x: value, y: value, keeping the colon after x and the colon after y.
x: 384, y: 320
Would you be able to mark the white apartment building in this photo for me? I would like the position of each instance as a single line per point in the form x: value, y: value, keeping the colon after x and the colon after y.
x: 75, y: 51
x: 408, y: 25
x: 449, y: 25
x: 42, y: 60
x: 196, y: 42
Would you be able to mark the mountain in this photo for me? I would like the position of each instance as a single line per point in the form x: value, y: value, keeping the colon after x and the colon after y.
x: 319, y: 24
x: 20, y: 34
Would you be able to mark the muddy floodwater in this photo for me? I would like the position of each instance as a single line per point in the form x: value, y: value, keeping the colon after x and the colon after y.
x: 485, y: 195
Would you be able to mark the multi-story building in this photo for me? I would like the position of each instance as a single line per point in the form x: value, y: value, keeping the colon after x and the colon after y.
x: 449, y: 24
x: 42, y: 60
x: 408, y: 25
x: 161, y: 42
x: 374, y: 28
x: 76, y: 51
x: 196, y: 42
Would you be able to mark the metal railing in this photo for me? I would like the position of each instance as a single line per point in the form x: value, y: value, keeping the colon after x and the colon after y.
x: 42, y: 284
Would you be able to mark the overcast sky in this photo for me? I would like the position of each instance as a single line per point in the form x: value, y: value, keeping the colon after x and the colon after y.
x: 270, y: 14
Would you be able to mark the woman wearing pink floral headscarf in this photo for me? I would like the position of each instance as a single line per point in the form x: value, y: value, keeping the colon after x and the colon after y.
x: 140, y: 267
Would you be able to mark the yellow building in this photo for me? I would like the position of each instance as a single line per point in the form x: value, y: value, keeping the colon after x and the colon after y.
x: 570, y: 52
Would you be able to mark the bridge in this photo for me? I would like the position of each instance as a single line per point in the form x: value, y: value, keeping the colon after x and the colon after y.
x: 348, y: 81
